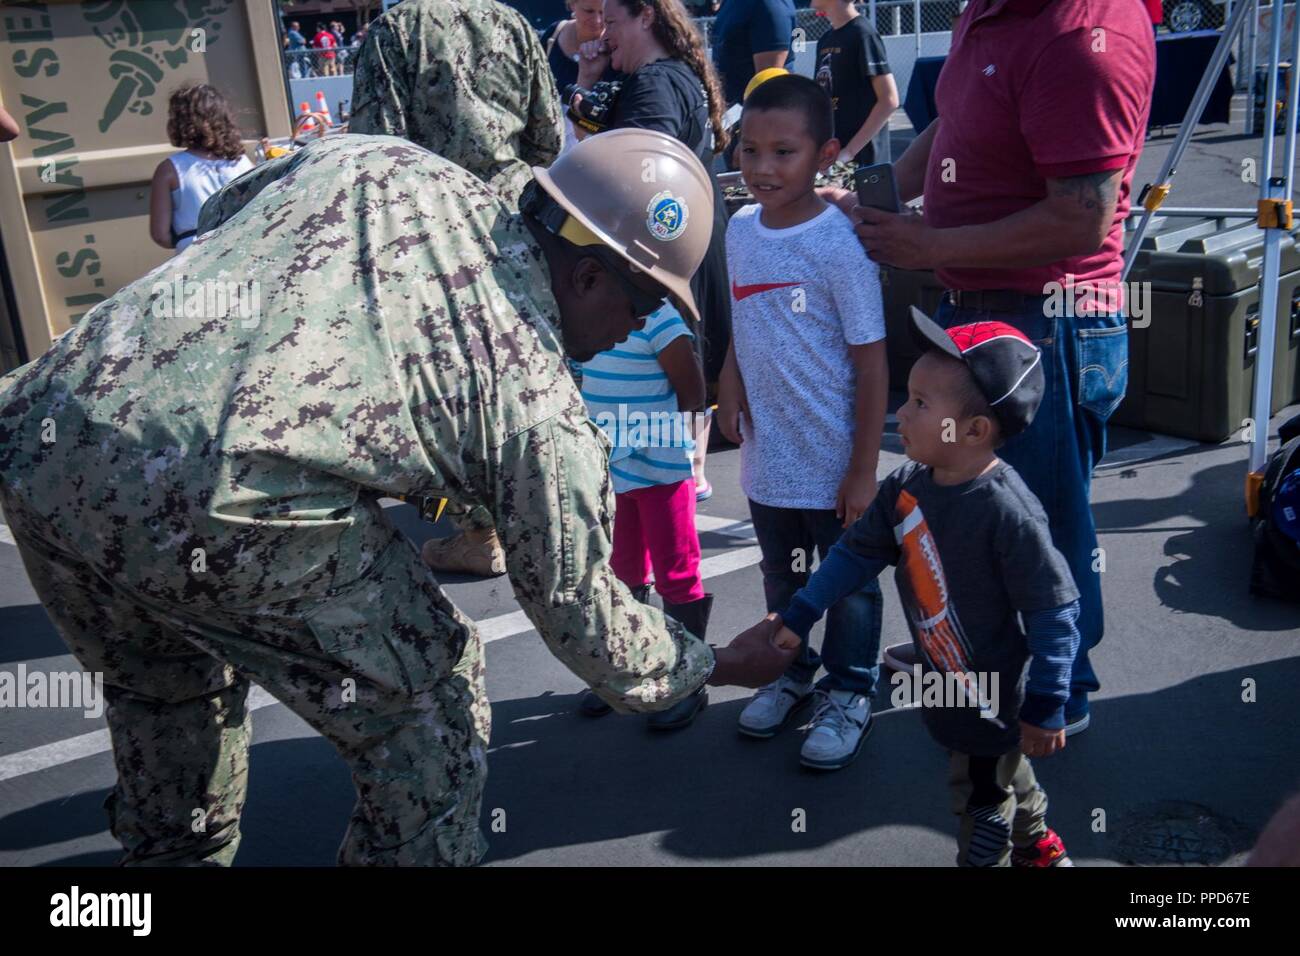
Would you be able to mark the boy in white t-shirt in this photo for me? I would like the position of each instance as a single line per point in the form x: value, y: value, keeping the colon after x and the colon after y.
x: 804, y: 391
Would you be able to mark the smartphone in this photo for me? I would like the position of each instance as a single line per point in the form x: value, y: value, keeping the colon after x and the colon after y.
x: 876, y: 187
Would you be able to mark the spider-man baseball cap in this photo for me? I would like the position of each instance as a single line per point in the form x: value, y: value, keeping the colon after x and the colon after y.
x: 1006, y: 366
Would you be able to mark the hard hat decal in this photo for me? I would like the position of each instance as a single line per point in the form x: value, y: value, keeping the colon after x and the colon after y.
x: 666, y: 216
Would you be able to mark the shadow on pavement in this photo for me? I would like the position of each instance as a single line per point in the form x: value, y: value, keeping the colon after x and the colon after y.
x: 29, y: 635
x: 722, y: 797
x: 559, y: 780
x: 1209, y: 545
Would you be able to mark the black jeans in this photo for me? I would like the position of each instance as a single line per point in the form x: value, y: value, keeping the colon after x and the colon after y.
x: 851, y: 646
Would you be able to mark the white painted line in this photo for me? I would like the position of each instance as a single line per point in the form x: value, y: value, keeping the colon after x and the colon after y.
x: 503, y: 625
x: 492, y: 629
x: 740, y: 530
x: 86, y: 745
x: 713, y: 522
x: 725, y: 563
x: 50, y: 755
x: 6, y: 536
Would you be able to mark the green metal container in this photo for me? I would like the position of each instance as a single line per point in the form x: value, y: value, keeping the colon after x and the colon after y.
x: 1192, y: 367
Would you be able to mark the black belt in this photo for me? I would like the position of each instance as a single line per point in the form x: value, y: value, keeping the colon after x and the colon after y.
x: 992, y: 300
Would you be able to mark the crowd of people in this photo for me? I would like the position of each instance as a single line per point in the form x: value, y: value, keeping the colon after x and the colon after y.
x: 326, y: 54
x: 653, y: 293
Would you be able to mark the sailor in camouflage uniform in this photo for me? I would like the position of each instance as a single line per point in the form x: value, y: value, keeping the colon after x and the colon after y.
x: 194, y: 487
x: 468, y: 80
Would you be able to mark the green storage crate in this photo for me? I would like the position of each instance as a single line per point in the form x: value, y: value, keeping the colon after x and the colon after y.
x: 1192, y: 368
x: 903, y: 288
x: 1286, y: 366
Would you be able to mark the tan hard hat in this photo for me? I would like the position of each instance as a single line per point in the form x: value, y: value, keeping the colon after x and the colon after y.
x: 642, y: 194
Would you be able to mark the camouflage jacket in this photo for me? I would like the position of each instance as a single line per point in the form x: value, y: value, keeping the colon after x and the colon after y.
x: 368, y: 320
x: 466, y: 79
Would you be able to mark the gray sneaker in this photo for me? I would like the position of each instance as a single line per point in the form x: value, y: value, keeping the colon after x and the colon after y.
x: 771, y: 708
x: 901, y: 657
x: 839, y: 726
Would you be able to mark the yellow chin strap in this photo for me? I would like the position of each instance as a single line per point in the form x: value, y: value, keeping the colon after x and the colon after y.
x: 578, y: 234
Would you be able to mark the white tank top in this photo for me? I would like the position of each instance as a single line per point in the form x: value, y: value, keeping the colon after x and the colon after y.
x: 199, y: 178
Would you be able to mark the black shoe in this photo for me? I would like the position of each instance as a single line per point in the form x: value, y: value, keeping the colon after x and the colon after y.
x: 694, y: 616
x: 679, y: 715
x: 591, y: 705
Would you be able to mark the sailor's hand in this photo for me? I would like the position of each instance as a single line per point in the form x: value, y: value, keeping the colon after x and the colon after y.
x: 757, y: 656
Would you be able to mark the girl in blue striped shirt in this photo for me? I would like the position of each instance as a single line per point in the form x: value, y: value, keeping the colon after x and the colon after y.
x: 643, y: 393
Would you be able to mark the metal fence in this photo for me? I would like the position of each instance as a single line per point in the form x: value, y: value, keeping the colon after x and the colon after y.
x: 891, y: 18
x: 301, y: 64
x: 895, y: 22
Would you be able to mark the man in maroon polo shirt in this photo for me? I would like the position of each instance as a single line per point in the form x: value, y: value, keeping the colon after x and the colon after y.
x: 1042, y: 111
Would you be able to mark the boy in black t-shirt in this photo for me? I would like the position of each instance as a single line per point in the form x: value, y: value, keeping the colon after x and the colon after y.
x: 974, y: 556
x: 852, y: 67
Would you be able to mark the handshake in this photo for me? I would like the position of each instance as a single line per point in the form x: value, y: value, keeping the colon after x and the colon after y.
x: 757, y: 656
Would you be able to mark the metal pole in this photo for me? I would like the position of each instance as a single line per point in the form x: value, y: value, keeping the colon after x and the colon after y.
x: 1248, y: 64
x: 916, y: 24
x: 1227, y: 15
x: 1271, y: 188
x: 1188, y: 127
x: 1294, y: 78
x: 1203, y: 212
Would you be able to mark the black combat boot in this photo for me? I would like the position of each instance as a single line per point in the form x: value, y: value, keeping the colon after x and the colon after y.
x: 591, y: 705
x: 694, y: 616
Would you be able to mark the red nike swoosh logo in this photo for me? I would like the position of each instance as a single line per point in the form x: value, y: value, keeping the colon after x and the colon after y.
x: 739, y: 292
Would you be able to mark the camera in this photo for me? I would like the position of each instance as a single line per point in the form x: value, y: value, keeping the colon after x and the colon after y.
x: 592, y: 113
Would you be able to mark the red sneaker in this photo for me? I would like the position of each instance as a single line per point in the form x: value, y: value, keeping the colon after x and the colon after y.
x: 1048, y: 851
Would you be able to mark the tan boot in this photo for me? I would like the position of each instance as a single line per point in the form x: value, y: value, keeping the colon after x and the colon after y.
x: 466, y: 552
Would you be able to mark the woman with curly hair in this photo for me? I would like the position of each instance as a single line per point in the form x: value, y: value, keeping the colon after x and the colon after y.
x: 201, y: 122
x: 672, y: 86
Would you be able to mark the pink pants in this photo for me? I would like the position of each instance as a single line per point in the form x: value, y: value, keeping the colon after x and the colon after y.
x: 655, y: 527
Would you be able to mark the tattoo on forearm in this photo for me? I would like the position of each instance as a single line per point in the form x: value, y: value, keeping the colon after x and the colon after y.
x: 1093, y: 192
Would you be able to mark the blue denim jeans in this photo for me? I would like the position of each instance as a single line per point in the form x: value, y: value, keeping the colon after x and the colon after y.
x: 851, y: 645
x: 1085, y: 366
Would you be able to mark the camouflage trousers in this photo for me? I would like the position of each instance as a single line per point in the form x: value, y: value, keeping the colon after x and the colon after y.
x: 999, y: 803
x: 386, y: 669
x: 466, y: 518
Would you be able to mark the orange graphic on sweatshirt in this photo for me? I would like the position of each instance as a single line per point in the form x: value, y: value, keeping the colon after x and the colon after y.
x: 925, y: 596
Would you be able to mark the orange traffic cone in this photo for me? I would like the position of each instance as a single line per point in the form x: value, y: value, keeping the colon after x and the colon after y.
x: 305, y: 110
x: 323, y: 108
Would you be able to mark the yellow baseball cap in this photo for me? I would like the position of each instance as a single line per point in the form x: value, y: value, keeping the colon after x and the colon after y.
x: 761, y: 77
